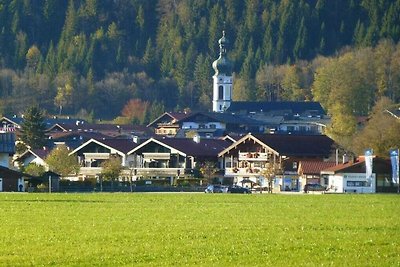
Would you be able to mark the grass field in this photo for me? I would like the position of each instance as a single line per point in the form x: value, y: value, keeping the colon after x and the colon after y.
x: 199, y: 229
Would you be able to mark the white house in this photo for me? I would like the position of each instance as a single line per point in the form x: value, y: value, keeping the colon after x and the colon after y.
x: 350, y: 177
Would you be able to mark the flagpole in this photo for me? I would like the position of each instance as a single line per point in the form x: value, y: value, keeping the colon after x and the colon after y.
x: 398, y: 178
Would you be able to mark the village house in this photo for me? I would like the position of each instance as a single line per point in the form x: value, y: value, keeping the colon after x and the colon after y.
x: 350, y: 177
x: 10, y: 180
x: 310, y: 172
x: 94, y: 152
x: 167, y: 158
x: 168, y: 123
x: 246, y: 158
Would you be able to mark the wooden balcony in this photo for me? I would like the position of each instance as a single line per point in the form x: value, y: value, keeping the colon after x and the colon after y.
x: 243, y: 171
x: 93, y: 171
x: 253, y: 156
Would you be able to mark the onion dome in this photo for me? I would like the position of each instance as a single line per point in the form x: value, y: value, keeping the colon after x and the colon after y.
x: 223, y: 65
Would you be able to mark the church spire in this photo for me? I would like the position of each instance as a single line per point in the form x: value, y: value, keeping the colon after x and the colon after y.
x: 222, y: 85
x: 223, y: 64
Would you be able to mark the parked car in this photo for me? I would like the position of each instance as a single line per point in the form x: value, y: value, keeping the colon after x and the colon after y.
x: 239, y: 190
x: 216, y: 189
x: 314, y: 187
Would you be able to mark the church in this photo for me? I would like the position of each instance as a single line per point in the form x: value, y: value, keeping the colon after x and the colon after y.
x: 280, y: 116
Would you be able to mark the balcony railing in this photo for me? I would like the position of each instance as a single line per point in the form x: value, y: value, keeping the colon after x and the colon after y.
x: 92, y: 171
x: 243, y: 171
x: 253, y: 156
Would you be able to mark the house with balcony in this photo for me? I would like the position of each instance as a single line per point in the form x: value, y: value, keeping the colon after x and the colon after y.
x: 167, y: 124
x: 95, y: 151
x: 246, y: 159
x: 214, y: 125
x: 284, y: 116
x: 167, y: 158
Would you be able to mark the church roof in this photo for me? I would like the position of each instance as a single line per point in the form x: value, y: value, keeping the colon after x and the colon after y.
x: 294, y: 107
x: 223, y: 65
x: 220, y: 117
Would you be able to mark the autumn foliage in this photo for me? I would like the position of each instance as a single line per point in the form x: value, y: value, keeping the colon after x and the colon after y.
x: 135, y: 110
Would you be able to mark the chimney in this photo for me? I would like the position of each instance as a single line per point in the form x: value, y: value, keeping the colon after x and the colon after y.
x: 345, y: 158
x: 135, y: 139
x: 196, y: 139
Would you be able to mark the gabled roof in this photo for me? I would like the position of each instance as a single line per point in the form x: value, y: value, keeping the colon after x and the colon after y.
x: 298, y: 145
x: 314, y: 167
x: 123, y: 146
x: 230, y: 138
x: 15, y: 121
x: 63, y: 136
x: 205, y: 148
x: 38, y: 153
x: 188, y: 147
x: 9, y: 173
x: 379, y: 165
x: 290, y: 145
x: 171, y: 117
x: 110, y: 130
x: 295, y: 107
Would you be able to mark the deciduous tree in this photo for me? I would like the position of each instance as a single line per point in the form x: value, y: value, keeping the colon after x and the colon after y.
x: 61, y: 162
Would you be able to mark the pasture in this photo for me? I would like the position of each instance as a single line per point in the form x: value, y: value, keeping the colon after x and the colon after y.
x: 150, y: 229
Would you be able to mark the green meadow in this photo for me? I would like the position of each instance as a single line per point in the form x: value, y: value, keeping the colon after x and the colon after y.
x: 150, y: 229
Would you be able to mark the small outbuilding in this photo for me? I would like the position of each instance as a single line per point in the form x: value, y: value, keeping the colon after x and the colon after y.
x: 13, y: 181
x: 350, y: 177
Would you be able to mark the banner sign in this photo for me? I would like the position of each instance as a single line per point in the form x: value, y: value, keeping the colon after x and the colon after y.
x: 368, y: 164
x: 394, y: 158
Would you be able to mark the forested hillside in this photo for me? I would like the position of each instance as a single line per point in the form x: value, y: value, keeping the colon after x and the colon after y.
x: 93, y: 57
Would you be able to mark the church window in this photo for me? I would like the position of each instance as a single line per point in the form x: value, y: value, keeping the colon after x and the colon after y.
x: 220, y: 92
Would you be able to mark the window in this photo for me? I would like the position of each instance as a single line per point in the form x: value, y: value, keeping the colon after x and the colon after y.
x: 357, y: 184
x: 303, y: 128
x: 220, y: 92
x: 294, y: 165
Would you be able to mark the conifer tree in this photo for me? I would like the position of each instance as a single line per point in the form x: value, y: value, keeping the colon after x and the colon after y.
x: 33, y: 128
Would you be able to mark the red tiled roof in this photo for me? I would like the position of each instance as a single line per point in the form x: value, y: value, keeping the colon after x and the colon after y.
x: 315, y: 167
x: 343, y: 166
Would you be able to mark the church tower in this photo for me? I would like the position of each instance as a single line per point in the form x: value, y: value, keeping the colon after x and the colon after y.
x: 222, y: 79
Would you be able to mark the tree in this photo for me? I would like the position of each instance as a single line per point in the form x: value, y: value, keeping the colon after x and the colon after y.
x: 34, y: 169
x: 135, y: 110
x: 33, y: 57
x: 61, y: 162
x: 381, y: 132
x: 64, y: 96
x: 208, y: 169
x: 33, y: 128
x: 270, y: 171
x: 111, y: 169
